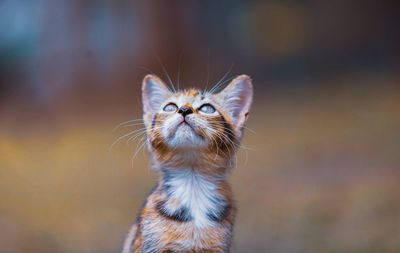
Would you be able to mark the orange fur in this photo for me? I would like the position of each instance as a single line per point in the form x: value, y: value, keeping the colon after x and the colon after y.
x: 192, y: 208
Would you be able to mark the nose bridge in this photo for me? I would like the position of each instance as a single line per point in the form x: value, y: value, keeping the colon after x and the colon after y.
x: 187, y: 105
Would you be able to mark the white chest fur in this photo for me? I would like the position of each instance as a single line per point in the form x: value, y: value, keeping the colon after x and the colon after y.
x: 195, y: 192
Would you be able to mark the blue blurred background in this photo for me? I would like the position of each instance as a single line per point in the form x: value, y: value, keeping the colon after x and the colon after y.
x: 321, y: 167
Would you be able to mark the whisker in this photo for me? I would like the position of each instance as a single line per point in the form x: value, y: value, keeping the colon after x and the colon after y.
x: 225, y: 140
x: 179, y: 69
x: 125, y: 123
x: 224, y: 82
x: 134, y: 132
x: 140, y: 133
x: 245, y: 127
x: 212, y: 137
x: 120, y: 138
x: 166, y: 74
x: 216, y: 86
x: 250, y: 130
x: 136, y: 136
x: 132, y: 125
x: 208, y: 70
x: 138, y: 148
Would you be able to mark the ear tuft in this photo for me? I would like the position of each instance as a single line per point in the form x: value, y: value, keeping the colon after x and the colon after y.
x: 236, y: 99
x: 154, y: 93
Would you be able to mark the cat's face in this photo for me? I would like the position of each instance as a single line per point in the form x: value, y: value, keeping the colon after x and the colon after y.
x: 195, y: 120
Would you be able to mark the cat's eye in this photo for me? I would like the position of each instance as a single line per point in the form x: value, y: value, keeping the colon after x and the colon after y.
x: 207, y: 108
x: 171, y: 107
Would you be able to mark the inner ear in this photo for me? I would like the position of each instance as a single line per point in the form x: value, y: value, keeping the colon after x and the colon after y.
x: 154, y: 94
x: 237, y: 98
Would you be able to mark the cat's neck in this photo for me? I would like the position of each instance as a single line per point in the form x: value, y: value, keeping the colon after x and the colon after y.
x: 190, y: 195
x: 198, y: 161
x: 214, y: 177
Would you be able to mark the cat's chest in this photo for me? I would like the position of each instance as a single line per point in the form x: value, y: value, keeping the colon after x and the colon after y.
x: 193, y: 198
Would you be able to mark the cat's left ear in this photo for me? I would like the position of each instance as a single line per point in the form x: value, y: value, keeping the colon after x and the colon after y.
x: 236, y: 99
x: 154, y: 93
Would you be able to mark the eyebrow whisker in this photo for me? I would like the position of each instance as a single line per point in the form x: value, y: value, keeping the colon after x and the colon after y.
x: 218, y: 84
x: 166, y: 74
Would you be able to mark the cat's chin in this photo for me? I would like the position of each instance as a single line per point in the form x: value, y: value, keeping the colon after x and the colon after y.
x: 185, y: 137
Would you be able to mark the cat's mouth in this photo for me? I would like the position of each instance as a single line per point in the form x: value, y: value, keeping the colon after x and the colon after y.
x: 184, y: 134
x: 186, y: 127
x: 185, y: 123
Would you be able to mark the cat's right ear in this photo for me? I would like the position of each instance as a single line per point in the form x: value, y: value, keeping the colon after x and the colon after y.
x: 154, y: 93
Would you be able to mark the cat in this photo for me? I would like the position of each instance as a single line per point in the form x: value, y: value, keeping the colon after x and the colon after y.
x: 192, y: 137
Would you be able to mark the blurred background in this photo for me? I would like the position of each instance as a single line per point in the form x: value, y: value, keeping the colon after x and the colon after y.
x: 321, y: 167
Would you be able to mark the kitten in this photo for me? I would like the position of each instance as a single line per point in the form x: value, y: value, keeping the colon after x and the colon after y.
x: 192, y: 137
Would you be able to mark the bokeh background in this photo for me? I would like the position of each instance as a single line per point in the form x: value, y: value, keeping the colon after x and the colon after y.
x: 321, y: 167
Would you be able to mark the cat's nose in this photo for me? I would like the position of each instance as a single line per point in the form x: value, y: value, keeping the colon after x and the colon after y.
x: 185, y: 110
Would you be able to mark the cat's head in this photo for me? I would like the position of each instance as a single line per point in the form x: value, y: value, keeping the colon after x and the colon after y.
x: 190, y: 120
